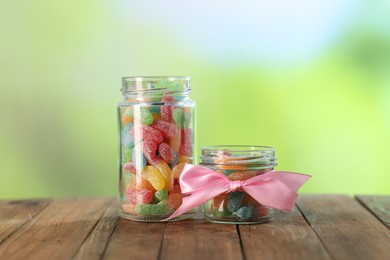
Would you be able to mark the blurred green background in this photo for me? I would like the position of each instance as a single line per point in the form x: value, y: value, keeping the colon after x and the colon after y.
x: 311, y: 78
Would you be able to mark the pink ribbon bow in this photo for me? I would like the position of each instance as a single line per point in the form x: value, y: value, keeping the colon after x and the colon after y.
x: 274, y: 189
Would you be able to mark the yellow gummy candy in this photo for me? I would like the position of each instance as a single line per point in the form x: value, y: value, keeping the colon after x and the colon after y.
x: 154, y: 176
x: 165, y: 171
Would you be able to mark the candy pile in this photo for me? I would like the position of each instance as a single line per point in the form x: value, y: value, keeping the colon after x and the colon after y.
x: 235, y: 206
x: 156, y: 142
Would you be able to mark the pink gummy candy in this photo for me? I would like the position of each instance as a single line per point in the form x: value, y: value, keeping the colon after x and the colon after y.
x: 166, y: 111
x: 149, y: 147
x: 147, y: 133
x: 186, y: 142
x: 129, y: 167
x: 139, y: 196
x: 167, y: 129
x: 166, y: 152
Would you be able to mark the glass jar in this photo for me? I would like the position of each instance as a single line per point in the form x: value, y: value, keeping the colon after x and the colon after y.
x: 238, y: 163
x: 156, y: 122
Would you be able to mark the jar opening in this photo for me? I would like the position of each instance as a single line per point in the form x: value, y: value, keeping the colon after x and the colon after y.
x: 155, y: 84
x: 251, y: 156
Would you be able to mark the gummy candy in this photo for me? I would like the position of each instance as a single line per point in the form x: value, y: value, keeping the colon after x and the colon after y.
x: 165, y: 171
x: 129, y: 167
x: 147, y: 133
x: 139, y: 196
x: 175, y: 200
x: 244, y: 212
x: 175, y: 142
x: 235, y: 200
x: 154, y: 176
x: 149, y: 148
x: 166, y: 152
x: 242, y: 175
x: 138, y: 158
x: 176, y: 171
x: 167, y: 129
x: 176, y: 189
x: 127, y: 139
x: 185, y: 159
x: 161, y: 195
x: 128, y: 116
x: 178, y: 116
x: 138, y: 182
x: 186, y: 142
x: 127, y: 154
x: 146, y: 116
x: 160, y: 208
x: 167, y: 110
x: 130, y: 208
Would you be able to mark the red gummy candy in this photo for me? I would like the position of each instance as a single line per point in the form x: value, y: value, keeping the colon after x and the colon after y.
x: 166, y: 111
x: 186, y: 142
x: 147, y: 133
x: 129, y: 167
x: 149, y: 147
x: 167, y: 129
x: 139, y: 196
x: 166, y: 152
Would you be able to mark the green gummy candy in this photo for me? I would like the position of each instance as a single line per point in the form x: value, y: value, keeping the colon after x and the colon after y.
x: 224, y: 213
x: 187, y: 119
x: 161, y: 194
x: 127, y: 154
x: 130, y: 112
x: 146, y: 116
x: 179, y: 117
x: 160, y: 208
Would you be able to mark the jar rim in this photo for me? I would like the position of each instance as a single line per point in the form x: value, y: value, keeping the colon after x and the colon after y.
x: 141, y: 85
x: 238, y: 148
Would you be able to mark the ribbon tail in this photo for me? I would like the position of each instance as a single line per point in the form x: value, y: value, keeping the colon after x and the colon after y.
x: 196, y: 199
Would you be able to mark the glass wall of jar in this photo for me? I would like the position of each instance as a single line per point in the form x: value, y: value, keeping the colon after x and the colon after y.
x: 238, y: 163
x: 156, y: 122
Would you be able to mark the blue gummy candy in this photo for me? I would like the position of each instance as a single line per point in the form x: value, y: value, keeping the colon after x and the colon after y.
x: 244, y: 212
x: 138, y: 158
x: 155, y: 109
x: 127, y: 138
x: 235, y: 200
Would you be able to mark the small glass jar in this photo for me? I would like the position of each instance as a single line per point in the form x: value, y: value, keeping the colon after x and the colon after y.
x: 156, y: 122
x: 238, y: 163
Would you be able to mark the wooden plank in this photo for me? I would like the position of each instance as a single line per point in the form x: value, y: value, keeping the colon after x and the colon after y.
x: 135, y: 240
x: 15, y: 214
x: 96, y: 243
x: 379, y: 206
x: 286, y: 236
x: 57, y: 232
x: 346, y: 228
x: 192, y: 239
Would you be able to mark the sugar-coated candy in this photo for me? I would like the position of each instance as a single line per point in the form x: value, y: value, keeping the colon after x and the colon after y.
x: 186, y: 142
x: 178, y: 117
x: 164, y: 170
x: 185, y: 159
x: 220, y: 201
x: 127, y: 138
x: 160, y: 208
x: 176, y: 189
x: 175, y: 142
x: 138, y: 158
x: 147, y: 133
x: 244, y: 212
x: 127, y: 116
x: 153, y: 175
x: 161, y: 194
x: 187, y: 118
x: 166, y: 152
x: 138, y: 182
x: 127, y: 154
x: 130, y: 208
x: 263, y: 211
x: 167, y: 110
x: 139, y: 196
x: 129, y: 167
x: 155, y: 109
x: 146, y: 116
x: 167, y: 129
x: 242, y: 175
x: 156, y: 116
x: 222, y: 212
x: 175, y: 200
x: 176, y: 171
x: 234, y: 200
x: 149, y: 148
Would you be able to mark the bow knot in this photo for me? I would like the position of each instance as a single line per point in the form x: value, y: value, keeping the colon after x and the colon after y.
x: 273, y: 189
x: 236, y: 185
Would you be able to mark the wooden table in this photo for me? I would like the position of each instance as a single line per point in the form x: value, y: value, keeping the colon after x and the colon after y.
x: 320, y: 227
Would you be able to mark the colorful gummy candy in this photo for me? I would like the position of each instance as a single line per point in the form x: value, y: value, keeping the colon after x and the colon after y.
x: 156, y: 142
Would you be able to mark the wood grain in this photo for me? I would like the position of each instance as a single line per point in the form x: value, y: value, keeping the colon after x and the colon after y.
x: 379, y: 206
x: 57, y: 232
x: 345, y: 227
x: 95, y: 245
x: 191, y: 239
x: 15, y: 214
x: 286, y: 236
x: 135, y: 240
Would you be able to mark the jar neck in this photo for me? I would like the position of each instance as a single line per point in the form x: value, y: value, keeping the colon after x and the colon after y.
x: 252, y: 157
x: 154, y: 89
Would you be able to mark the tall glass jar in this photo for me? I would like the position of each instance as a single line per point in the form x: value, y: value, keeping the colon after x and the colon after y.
x: 238, y: 163
x: 156, y: 122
